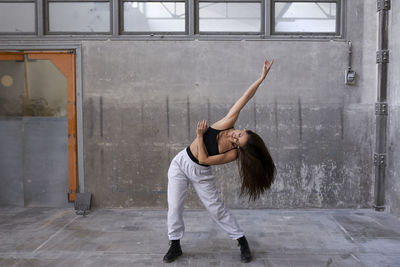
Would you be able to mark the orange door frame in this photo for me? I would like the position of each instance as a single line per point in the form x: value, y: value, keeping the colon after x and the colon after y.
x: 65, y: 63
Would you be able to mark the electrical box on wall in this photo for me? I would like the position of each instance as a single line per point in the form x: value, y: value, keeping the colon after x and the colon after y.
x: 349, y: 74
x: 349, y: 77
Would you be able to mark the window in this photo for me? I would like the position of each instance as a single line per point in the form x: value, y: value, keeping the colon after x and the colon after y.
x: 154, y: 17
x: 173, y: 19
x: 302, y: 17
x: 230, y: 17
x: 78, y: 17
x: 17, y: 17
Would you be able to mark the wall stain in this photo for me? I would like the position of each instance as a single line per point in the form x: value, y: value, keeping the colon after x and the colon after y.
x: 300, y: 121
x: 276, y: 119
x: 169, y: 155
x: 101, y: 116
x: 102, y: 161
x: 116, y: 187
x: 167, y: 107
x: 122, y: 120
x: 188, y: 116
x: 142, y: 112
x: 91, y: 116
x: 255, y: 115
x: 208, y: 111
x: 341, y: 124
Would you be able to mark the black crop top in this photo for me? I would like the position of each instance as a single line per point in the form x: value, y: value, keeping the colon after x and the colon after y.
x: 211, y: 143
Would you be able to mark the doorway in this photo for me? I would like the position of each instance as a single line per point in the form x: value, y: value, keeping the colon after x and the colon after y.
x: 38, y: 136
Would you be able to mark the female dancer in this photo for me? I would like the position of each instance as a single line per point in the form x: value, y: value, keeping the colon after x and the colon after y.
x: 218, y: 144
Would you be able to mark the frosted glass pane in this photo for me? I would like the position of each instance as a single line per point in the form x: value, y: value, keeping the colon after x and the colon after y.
x: 46, y: 90
x: 17, y: 17
x: 79, y: 17
x: 32, y: 88
x: 154, y: 16
x: 229, y: 17
x: 305, y: 17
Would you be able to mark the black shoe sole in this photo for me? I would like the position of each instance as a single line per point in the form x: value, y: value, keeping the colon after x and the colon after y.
x: 172, y: 259
x: 246, y: 260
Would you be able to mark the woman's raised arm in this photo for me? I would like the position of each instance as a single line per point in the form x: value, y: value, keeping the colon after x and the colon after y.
x: 231, y: 117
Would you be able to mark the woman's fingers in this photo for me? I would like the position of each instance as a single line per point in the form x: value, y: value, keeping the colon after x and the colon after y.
x: 202, y: 125
x: 268, y: 63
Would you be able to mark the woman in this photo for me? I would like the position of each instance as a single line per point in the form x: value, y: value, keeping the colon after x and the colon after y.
x: 218, y: 144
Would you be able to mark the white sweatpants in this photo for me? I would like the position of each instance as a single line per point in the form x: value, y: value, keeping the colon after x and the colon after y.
x: 181, y: 171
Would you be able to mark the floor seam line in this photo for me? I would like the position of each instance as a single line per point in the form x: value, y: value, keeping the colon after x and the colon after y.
x: 53, y: 235
x: 342, y: 228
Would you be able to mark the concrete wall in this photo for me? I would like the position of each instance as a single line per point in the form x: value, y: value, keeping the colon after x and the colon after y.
x: 142, y: 99
x: 393, y: 172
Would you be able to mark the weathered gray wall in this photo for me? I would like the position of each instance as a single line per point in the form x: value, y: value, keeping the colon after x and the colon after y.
x: 142, y: 99
x: 393, y: 173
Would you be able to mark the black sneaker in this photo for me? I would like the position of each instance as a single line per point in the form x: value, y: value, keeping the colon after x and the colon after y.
x: 174, y: 251
x: 245, y: 254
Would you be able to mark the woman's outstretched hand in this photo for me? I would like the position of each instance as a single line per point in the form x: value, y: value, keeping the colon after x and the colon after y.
x: 201, y: 127
x: 267, y: 66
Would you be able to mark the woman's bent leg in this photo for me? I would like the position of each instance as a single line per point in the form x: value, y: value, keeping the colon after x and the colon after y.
x: 177, y: 187
x: 206, y: 189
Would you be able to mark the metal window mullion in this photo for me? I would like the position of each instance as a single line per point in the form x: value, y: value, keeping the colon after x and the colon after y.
x: 121, y: 17
x: 338, y: 17
x: 272, y: 17
x: 267, y: 18
x: 46, y: 17
x: 39, y: 18
x: 190, y: 17
x: 187, y: 22
x: 343, y: 8
x: 196, y: 17
x: 114, y: 18
x: 262, y: 18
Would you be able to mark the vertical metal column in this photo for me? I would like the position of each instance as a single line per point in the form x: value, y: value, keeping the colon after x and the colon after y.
x: 381, y: 106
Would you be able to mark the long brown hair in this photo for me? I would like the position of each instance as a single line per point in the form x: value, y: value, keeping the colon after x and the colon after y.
x: 256, y: 167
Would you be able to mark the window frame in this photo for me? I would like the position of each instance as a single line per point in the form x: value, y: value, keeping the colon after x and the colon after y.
x: 191, y: 25
x: 35, y: 33
x: 46, y: 19
x: 151, y: 33
x: 339, y: 20
x: 214, y: 33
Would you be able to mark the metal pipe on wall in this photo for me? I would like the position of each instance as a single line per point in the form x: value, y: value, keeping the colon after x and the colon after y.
x: 381, y: 106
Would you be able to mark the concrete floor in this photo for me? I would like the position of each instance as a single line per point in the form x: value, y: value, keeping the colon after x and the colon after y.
x: 128, y: 237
